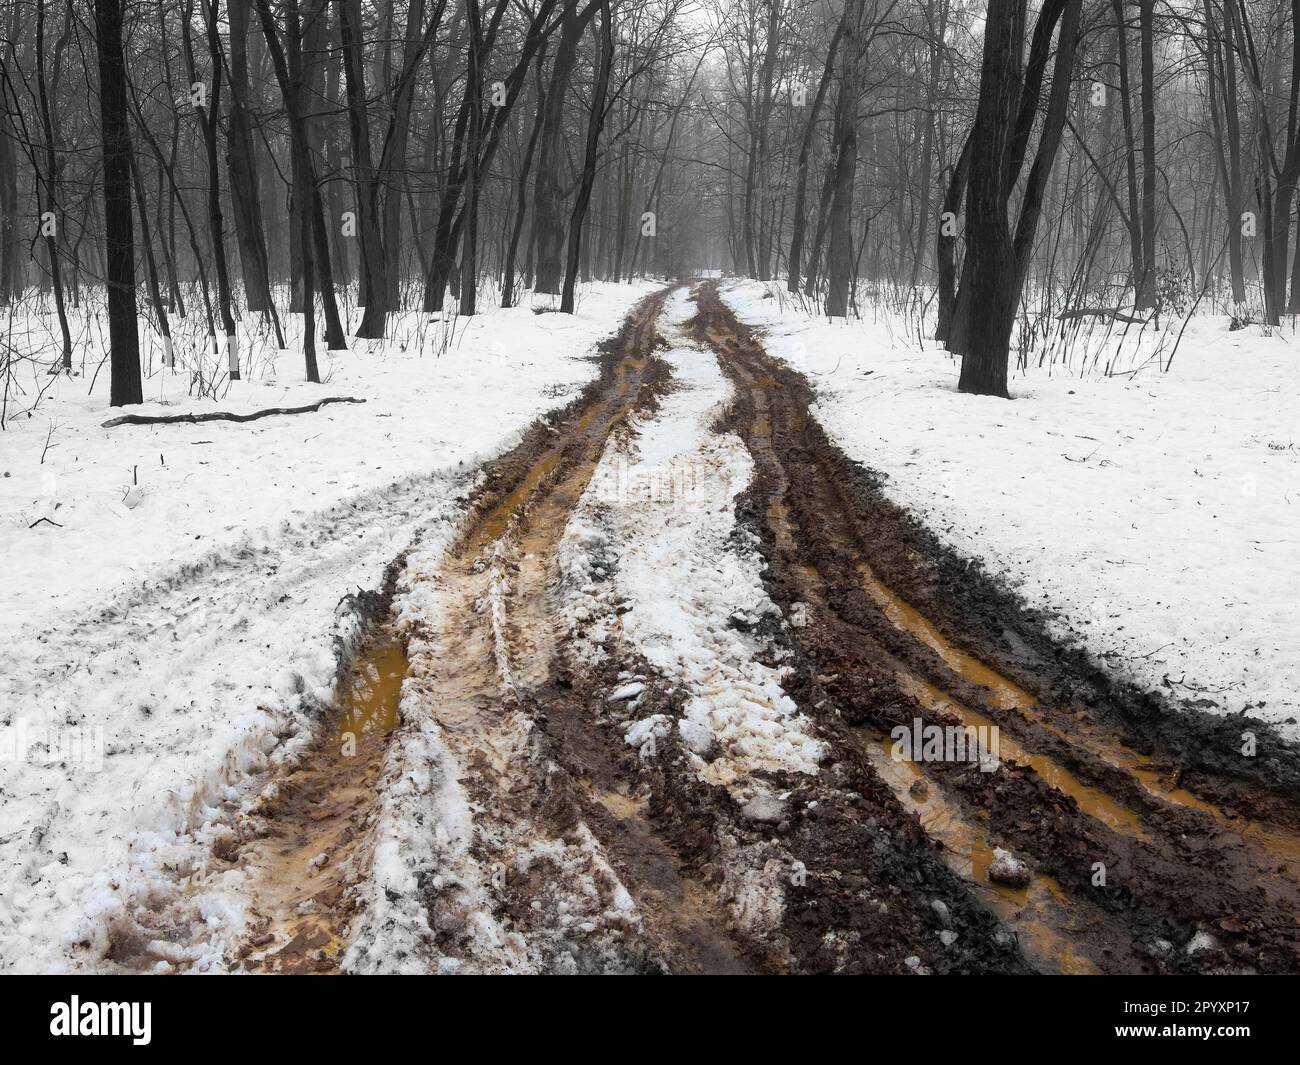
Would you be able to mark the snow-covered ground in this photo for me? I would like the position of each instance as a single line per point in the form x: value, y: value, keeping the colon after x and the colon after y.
x: 1156, y: 513
x: 174, y: 626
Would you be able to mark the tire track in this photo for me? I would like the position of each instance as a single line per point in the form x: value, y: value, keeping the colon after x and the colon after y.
x: 1188, y: 887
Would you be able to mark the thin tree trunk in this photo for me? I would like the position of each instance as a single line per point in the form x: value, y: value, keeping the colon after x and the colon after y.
x: 594, y: 125
x: 839, y: 267
x: 521, y: 189
x: 800, y: 214
x: 1147, y: 277
x: 53, y: 212
x: 242, y: 169
x: 375, y: 289
x: 548, y: 197
x: 290, y: 75
x: 474, y: 93
x: 216, y: 224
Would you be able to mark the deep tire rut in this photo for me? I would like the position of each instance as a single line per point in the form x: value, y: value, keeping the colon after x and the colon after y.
x: 1188, y: 885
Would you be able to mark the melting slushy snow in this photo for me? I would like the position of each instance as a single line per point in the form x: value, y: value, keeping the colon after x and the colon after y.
x: 654, y: 551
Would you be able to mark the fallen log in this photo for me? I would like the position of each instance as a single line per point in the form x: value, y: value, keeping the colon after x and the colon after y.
x: 1099, y: 312
x: 222, y: 416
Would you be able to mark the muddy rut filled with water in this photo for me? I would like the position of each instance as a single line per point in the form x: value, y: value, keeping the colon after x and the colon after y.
x: 1150, y: 843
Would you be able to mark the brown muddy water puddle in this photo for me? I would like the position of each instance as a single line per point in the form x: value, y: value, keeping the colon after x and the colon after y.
x: 369, y: 707
x: 314, y: 850
x: 1007, y: 695
x: 1091, y: 801
x: 1044, y: 920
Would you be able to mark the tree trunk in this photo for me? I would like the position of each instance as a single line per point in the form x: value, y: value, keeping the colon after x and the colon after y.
x: 521, y: 190
x: 373, y: 265
x: 595, y: 123
x: 242, y: 169
x: 946, y: 244
x: 216, y: 223
x: 1147, y: 276
x: 290, y: 74
x: 800, y: 214
x: 473, y: 93
x: 52, y: 210
x: 124, y: 339
x: 548, y: 196
x: 993, y: 272
x: 839, y: 265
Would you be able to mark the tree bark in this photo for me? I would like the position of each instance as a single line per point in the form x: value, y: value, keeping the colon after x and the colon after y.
x: 287, y: 61
x: 993, y: 272
x: 51, y: 189
x: 241, y: 167
x: 373, y: 265
x: 124, y: 339
x: 548, y: 196
x: 839, y: 255
x: 521, y: 190
x: 595, y: 123
x: 800, y: 213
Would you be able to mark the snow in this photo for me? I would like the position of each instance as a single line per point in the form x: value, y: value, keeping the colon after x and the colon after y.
x: 653, y: 551
x: 1153, y: 513
x: 204, y: 485
x: 169, y: 653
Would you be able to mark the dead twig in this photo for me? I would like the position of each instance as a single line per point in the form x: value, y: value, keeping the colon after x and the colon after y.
x: 222, y: 416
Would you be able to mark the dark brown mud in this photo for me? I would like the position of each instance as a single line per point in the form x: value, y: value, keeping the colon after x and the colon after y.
x: 1150, y: 853
x: 842, y: 882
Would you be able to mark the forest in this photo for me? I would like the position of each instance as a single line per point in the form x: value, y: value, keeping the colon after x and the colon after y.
x: 310, y: 169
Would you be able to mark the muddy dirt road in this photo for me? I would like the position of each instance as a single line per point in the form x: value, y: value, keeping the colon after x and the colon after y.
x: 578, y: 825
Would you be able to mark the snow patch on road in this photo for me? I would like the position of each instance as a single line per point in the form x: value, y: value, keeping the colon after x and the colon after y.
x: 653, y: 556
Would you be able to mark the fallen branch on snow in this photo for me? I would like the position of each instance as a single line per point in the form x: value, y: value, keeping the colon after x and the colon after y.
x: 222, y: 416
x: 1099, y: 312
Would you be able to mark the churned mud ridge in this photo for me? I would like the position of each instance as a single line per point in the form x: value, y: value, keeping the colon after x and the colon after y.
x: 1188, y: 886
x: 658, y: 825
